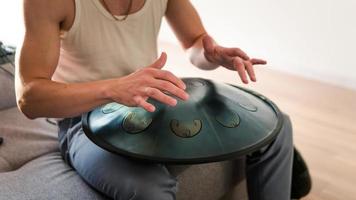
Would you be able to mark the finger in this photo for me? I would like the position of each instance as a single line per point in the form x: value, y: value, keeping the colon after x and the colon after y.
x: 240, y: 68
x: 172, y: 89
x: 160, y: 96
x: 250, y: 70
x: 141, y: 102
x: 236, y: 52
x: 169, y: 76
x: 256, y: 61
x: 160, y: 62
x: 208, y: 44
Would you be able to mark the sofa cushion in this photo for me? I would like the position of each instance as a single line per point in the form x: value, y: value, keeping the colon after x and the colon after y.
x: 7, y: 97
x: 43, y: 178
x: 24, y: 139
x: 211, y: 181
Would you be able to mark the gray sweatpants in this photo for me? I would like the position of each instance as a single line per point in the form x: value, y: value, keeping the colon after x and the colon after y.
x: 268, y: 172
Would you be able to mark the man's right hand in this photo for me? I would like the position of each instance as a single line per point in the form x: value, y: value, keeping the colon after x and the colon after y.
x: 148, y: 82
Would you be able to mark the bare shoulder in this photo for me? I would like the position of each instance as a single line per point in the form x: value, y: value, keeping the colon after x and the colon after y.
x: 40, y: 45
x: 55, y: 11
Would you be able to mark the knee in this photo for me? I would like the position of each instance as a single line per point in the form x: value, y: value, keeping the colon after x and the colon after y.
x: 285, y: 138
x: 156, y: 190
x: 287, y: 129
x: 139, y: 187
x: 283, y: 144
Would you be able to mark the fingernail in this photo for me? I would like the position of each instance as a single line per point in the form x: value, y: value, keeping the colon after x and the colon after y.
x: 174, y: 102
x: 186, y: 96
x: 153, y: 109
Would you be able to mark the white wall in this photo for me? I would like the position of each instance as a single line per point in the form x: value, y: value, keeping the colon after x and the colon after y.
x: 313, y: 38
x: 10, y: 19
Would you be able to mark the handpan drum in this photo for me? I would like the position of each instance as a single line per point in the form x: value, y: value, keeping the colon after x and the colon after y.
x: 218, y: 122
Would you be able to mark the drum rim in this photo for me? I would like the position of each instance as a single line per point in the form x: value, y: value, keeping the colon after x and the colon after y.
x: 209, y: 159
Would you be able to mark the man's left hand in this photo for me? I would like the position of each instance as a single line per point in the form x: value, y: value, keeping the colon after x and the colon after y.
x: 231, y: 58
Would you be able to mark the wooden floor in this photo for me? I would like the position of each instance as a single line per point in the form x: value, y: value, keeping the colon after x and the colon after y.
x: 323, y: 116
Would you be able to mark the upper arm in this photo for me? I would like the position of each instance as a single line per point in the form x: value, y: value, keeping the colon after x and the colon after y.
x: 185, y: 22
x: 39, y: 51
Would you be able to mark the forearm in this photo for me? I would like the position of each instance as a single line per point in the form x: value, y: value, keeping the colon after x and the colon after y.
x: 197, y: 57
x: 188, y: 27
x: 45, y: 98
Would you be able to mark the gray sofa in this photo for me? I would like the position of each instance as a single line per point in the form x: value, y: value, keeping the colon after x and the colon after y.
x: 31, y: 166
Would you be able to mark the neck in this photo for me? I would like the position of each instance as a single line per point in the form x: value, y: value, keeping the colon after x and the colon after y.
x: 120, y: 7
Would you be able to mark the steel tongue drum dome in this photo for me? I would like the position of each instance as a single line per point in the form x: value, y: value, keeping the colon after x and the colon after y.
x: 218, y: 122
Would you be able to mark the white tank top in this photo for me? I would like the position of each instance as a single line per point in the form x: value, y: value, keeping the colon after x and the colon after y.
x: 98, y: 47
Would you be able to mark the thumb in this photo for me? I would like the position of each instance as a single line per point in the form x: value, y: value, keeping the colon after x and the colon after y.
x: 208, y: 44
x: 160, y: 62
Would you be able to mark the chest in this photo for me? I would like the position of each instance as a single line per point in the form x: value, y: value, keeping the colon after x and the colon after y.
x: 115, y: 7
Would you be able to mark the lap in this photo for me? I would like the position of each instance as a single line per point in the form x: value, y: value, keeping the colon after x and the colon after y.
x: 120, y: 177
x: 115, y: 175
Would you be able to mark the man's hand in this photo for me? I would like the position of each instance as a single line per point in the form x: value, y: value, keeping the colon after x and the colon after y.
x: 231, y: 58
x: 148, y: 82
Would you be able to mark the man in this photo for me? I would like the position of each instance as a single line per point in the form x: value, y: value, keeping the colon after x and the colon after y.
x: 80, y: 54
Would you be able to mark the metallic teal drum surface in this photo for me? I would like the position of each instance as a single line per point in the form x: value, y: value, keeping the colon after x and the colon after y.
x: 218, y: 122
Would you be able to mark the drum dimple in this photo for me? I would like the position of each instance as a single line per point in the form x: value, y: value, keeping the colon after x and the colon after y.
x: 248, y: 106
x: 228, y: 119
x: 196, y: 83
x: 136, y: 122
x: 111, y: 107
x: 185, y: 129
